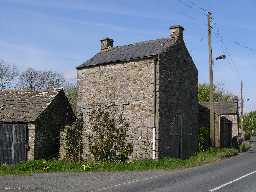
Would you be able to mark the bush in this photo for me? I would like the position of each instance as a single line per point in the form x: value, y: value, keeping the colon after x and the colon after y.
x: 203, y: 139
x: 71, y: 93
x: 249, y: 124
x: 247, y: 136
x: 73, y: 140
x: 108, y: 139
x: 244, y: 147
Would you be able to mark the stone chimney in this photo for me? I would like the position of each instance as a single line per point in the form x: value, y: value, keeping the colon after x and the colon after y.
x: 176, y: 32
x: 106, y: 44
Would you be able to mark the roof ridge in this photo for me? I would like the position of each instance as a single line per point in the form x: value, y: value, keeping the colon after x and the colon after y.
x: 145, y: 41
x: 30, y: 91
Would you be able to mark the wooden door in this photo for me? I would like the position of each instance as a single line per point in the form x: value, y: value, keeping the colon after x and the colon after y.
x: 13, y: 140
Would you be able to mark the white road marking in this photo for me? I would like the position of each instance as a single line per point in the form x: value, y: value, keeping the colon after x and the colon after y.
x: 127, y: 183
x: 8, y: 188
x: 230, y: 182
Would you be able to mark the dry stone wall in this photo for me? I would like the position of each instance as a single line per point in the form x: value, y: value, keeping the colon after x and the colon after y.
x: 235, y: 126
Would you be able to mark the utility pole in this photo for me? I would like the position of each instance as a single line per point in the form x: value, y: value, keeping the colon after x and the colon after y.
x: 242, y: 106
x: 212, y: 128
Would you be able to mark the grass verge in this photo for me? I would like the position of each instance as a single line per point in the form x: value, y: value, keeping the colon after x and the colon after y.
x: 42, y: 166
x: 244, y: 147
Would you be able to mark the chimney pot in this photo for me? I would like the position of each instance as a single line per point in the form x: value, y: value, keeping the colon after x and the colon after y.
x: 106, y: 43
x: 176, y: 32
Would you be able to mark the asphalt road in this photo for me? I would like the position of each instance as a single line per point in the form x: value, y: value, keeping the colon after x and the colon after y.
x: 237, y: 174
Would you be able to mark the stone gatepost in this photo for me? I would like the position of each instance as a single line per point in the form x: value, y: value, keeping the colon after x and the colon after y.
x: 63, y: 142
x: 31, y: 141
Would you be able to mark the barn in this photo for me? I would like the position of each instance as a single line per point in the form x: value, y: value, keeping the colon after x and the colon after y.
x: 31, y: 123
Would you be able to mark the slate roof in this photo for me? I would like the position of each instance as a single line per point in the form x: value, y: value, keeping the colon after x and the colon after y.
x: 23, y: 106
x: 222, y: 108
x: 130, y: 52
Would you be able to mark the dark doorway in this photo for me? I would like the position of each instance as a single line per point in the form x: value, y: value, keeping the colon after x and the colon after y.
x: 225, y: 132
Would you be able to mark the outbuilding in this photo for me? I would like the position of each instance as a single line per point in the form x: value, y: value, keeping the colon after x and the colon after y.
x: 30, y: 124
x: 226, y: 121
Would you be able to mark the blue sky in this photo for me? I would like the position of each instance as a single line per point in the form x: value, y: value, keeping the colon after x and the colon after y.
x: 60, y: 34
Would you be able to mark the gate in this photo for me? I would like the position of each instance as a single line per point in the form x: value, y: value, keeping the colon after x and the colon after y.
x: 13, y: 140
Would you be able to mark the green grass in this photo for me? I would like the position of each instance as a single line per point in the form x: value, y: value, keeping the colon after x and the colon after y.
x: 244, y: 147
x: 42, y: 166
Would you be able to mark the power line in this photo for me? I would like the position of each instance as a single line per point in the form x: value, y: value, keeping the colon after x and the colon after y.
x: 217, y: 33
x: 225, y: 49
x: 244, y: 46
x: 191, y: 4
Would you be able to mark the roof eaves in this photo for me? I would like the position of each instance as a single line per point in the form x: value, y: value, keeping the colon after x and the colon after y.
x: 16, y: 121
x: 115, y: 62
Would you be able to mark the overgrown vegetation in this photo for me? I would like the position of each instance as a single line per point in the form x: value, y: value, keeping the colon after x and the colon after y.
x: 73, y: 140
x: 108, y: 137
x: 42, y: 166
x: 203, y: 139
x: 249, y: 124
x: 244, y: 147
x: 71, y: 93
x: 219, y: 94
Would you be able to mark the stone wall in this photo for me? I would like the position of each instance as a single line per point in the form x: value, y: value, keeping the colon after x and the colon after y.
x: 126, y: 88
x: 49, y: 127
x: 178, y: 108
x: 63, y: 143
x: 235, y: 125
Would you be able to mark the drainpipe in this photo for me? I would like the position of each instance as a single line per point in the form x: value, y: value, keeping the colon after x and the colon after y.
x: 219, y: 133
x: 154, y: 143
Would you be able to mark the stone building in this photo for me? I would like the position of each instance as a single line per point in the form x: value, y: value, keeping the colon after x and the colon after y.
x: 226, y: 124
x: 30, y: 124
x: 154, y: 85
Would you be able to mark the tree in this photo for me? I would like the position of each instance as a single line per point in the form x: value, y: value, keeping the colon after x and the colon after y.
x: 7, y: 74
x: 71, y: 93
x: 50, y: 79
x: 249, y: 123
x: 219, y: 94
x: 29, y: 79
x: 108, y: 141
x: 34, y: 80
